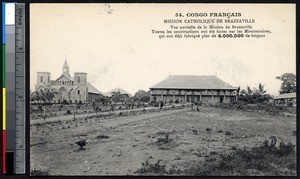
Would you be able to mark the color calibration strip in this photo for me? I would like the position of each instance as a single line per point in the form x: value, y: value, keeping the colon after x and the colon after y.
x: 8, y: 36
x: 13, y: 48
x: 3, y: 93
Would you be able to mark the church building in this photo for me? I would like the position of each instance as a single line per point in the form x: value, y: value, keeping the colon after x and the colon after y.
x: 71, y: 89
x: 189, y: 88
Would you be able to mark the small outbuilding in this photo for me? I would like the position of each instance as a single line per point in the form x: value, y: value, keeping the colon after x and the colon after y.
x: 286, y: 99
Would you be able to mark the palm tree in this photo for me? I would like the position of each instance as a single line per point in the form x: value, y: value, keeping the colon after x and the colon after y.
x: 260, y: 90
x: 247, y: 94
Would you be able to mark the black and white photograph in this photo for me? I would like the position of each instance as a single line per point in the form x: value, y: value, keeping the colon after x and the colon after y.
x: 162, y: 89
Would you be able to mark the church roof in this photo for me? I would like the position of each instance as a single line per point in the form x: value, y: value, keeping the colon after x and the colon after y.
x: 116, y: 90
x: 192, y: 82
x: 63, y: 75
x: 285, y: 96
x: 92, y: 89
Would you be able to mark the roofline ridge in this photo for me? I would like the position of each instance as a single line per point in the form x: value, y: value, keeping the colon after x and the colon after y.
x: 174, y: 78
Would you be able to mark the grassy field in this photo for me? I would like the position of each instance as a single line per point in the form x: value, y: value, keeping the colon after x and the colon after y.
x: 168, y: 142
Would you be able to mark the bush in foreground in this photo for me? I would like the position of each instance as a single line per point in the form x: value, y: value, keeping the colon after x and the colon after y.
x: 263, y: 160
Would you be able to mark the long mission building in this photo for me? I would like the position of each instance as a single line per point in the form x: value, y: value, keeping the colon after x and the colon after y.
x: 190, y: 88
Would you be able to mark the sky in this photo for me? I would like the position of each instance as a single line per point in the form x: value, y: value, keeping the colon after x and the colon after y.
x: 114, y: 45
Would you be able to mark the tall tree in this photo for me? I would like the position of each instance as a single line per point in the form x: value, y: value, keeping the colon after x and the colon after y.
x: 102, y: 100
x: 141, y: 96
x: 117, y: 96
x: 288, y: 84
x: 50, y: 94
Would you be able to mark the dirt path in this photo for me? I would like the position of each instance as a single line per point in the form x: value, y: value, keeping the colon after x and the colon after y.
x: 134, y: 140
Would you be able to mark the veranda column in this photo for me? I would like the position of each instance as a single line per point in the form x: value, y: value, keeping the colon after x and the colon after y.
x: 151, y: 98
x: 286, y: 102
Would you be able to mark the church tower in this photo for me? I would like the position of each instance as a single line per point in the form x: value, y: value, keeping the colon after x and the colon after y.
x: 43, y: 80
x: 66, y: 69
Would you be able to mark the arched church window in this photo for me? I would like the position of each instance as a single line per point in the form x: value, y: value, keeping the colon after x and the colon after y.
x: 78, y: 91
x: 78, y: 79
x: 41, y: 78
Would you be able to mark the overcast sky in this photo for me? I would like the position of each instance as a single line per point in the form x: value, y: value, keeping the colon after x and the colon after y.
x: 116, y: 48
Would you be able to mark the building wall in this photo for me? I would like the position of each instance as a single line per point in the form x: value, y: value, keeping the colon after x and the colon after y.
x: 80, y: 78
x: 43, y: 79
x: 210, y: 96
x: 93, y: 97
x: 286, y: 102
x: 71, y: 93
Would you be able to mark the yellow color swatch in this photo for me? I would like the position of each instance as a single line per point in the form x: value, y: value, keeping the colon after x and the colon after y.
x: 4, y: 108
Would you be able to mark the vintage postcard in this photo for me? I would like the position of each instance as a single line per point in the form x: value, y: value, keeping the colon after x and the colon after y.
x: 163, y: 89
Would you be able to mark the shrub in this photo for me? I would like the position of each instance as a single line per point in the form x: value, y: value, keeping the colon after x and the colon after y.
x: 154, y: 103
x: 40, y: 108
x: 65, y: 101
x: 165, y: 140
x: 68, y: 112
x: 102, y: 137
x: 156, y: 168
x: 208, y: 129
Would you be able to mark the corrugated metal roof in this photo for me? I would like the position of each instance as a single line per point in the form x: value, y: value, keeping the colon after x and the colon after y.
x: 92, y: 89
x: 193, y: 82
x: 285, y: 96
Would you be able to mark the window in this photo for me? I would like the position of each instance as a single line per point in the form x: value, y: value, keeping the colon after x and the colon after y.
x: 41, y: 79
x: 78, y: 92
x: 78, y: 79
